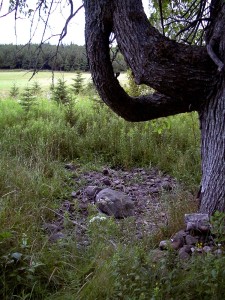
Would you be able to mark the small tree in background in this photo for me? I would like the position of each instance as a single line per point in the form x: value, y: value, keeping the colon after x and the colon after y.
x: 62, y: 96
x: 28, y: 99
x: 77, y: 84
x: 14, y: 91
x: 70, y: 111
x: 60, y: 92
x: 36, y: 88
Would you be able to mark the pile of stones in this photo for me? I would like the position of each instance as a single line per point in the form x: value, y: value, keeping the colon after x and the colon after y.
x: 117, y: 193
x: 196, y: 238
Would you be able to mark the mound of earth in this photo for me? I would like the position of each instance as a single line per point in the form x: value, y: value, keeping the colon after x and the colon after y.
x: 143, y: 186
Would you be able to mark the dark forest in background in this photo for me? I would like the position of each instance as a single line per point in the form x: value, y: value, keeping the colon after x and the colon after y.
x: 48, y: 57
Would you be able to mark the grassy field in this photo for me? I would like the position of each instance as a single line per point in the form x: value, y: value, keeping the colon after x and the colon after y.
x: 23, y: 79
x: 35, y: 144
x: 44, y: 78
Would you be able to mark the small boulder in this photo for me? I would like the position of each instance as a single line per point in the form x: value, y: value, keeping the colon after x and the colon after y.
x: 207, y: 249
x: 166, y: 185
x: 191, y: 240
x: 70, y: 167
x: 73, y: 194
x: 114, y: 203
x: 105, y: 172
x: 183, y: 254
x: 106, y: 181
x: 165, y: 245
x: 92, y: 190
x: 178, y: 240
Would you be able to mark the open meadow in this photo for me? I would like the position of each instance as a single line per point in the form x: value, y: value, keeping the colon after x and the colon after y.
x: 23, y: 78
x: 54, y: 244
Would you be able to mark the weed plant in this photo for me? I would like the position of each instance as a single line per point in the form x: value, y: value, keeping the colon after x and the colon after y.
x: 114, y: 264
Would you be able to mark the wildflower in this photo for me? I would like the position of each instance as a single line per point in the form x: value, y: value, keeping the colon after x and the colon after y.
x: 97, y: 218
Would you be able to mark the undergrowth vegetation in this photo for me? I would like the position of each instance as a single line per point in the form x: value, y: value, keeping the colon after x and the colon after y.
x: 35, y: 144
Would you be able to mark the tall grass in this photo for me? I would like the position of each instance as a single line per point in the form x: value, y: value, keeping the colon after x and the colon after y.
x: 171, y: 145
x: 34, y: 147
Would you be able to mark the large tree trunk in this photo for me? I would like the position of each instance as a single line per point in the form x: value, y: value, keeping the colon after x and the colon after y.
x: 212, y: 121
x: 185, y: 78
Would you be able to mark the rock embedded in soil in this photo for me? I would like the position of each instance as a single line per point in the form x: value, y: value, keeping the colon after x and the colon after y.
x: 105, y: 172
x: 92, y: 190
x: 106, y: 181
x: 56, y: 236
x: 70, y: 167
x: 184, y: 254
x: 191, y: 240
x: 178, y: 240
x: 114, y: 203
x: 165, y: 245
x: 73, y: 194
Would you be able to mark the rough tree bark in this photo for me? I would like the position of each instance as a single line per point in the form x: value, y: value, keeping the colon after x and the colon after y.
x: 185, y: 78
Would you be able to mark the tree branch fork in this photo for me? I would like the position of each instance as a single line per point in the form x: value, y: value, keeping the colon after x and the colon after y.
x: 182, y: 75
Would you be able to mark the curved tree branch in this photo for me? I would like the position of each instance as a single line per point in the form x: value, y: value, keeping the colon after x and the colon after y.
x: 169, y: 67
x: 181, y: 74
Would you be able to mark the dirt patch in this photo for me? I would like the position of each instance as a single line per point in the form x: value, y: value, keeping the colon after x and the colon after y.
x: 144, y: 186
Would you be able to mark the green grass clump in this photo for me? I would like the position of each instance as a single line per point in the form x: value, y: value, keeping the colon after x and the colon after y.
x: 34, y: 146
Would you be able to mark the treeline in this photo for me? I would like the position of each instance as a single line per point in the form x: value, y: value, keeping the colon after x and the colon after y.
x: 48, y: 57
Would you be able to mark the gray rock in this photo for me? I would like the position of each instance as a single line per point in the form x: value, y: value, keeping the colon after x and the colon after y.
x: 116, y: 182
x: 73, y: 194
x: 218, y: 252
x: 187, y: 249
x: 56, y: 236
x: 120, y: 187
x: 115, y: 203
x: 153, y: 190
x: 105, y: 172
x: 191, y: 240
x: 178, y: 240
x: 197, y: 221
x: 52, y: 227
x: 207, y: 249
x: 166, y: 185
x: 165, y: 245
x: 179, y: 235
x: 70, y: 167
x: 106, y: 181
x: 183, y: 254
x: 92, y: 190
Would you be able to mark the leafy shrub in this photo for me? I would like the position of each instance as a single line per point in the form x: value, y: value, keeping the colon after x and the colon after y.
x: 218, y: 226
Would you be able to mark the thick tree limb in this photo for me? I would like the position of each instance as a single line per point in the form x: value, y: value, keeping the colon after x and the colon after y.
x: 169, y: 67
x: 183, y: 75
